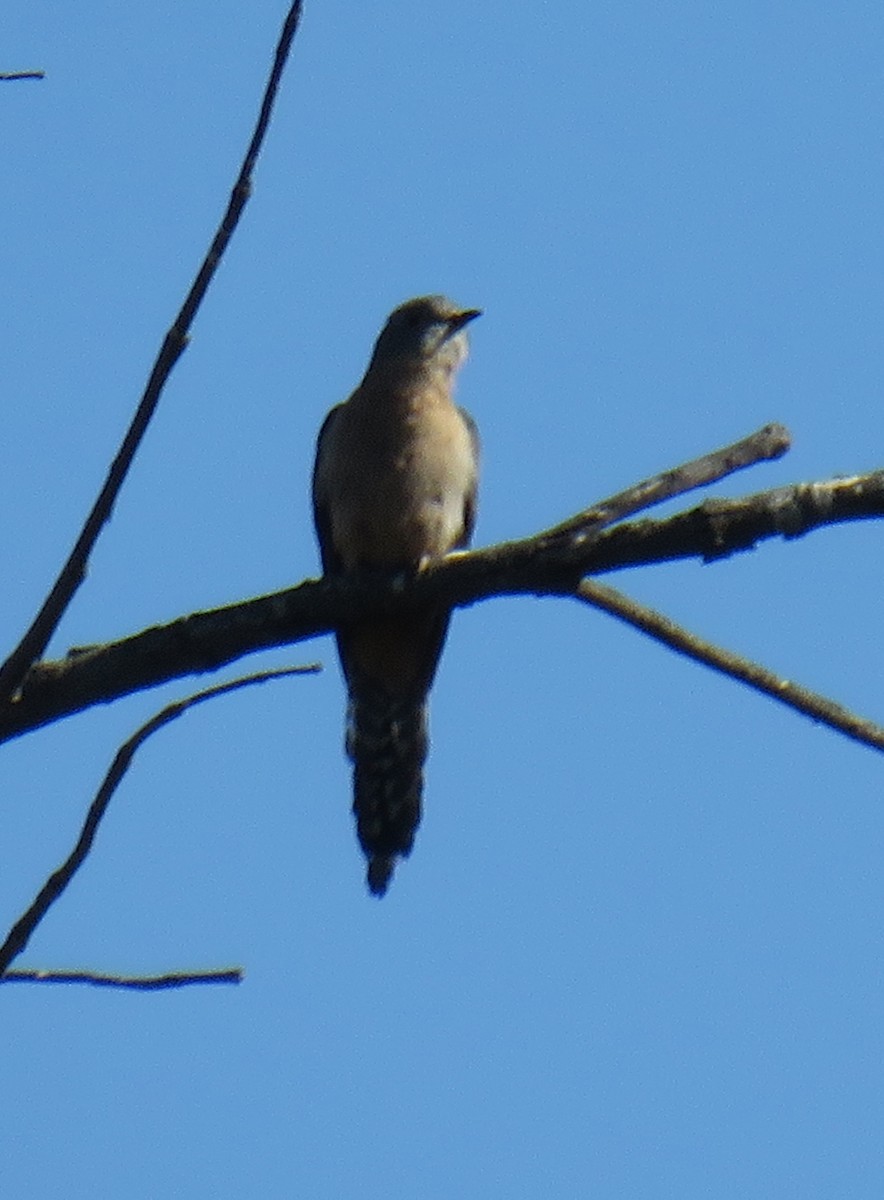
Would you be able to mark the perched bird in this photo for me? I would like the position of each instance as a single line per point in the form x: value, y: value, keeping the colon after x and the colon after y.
x: 394, y: 487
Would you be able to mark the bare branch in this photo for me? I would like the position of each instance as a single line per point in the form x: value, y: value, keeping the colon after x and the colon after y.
x: 770, y: 442
x: 73, y: 572
x: 9, y: 76
x: 535, y: 566
x: 662, y: 629
x: 205, y: 641
x: 139, y: 983
x: 56, y: 884
x: 718, y: 528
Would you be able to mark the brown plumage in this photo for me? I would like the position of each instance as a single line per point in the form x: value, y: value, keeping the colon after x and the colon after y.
x: 394, y: 487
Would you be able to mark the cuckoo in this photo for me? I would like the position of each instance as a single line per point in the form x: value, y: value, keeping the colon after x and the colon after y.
x: 394, y: 487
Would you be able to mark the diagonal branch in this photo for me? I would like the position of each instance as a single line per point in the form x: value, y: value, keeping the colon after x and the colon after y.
x: 770, y: 442
x: 73, y: 572
x: 793, y: 695
x: 58, y: 881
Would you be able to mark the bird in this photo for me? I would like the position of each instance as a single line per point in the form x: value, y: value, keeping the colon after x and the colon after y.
x: 395, y: 486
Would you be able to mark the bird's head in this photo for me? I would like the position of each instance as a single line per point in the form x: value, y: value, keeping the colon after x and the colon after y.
x: 429, y: 330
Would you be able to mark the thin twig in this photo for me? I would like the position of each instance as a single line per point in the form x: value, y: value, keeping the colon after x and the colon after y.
x: 6, y: 76
x: 770, y: 442
x: 662, y: 629
x: 73, y: 572
x: 138, y: 983
x: 55, y: 885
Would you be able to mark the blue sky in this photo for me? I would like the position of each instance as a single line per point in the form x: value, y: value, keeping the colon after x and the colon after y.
x: 637, y: 950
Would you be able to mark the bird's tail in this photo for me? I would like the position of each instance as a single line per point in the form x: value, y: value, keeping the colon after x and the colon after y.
x: 387, y: 741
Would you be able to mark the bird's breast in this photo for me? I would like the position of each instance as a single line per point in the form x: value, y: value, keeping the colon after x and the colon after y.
x: 402, y: 498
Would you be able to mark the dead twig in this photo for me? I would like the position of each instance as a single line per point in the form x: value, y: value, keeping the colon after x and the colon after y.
x: 676, y: 637
x: 73, y: 572
x: 18, y: 937
x: 769, y: 442
x: 137, y: 983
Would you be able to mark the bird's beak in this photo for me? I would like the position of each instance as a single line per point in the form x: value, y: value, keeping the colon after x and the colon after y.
x: 459, y: 320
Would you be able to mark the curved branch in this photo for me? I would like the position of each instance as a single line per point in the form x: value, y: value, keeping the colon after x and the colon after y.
x: 20, y: 934
x: 73, y: 572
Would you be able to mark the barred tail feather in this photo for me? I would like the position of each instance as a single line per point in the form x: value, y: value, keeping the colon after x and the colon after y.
x: 387, y: 741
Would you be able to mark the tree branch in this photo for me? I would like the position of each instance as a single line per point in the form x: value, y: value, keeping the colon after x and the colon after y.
x: 768, y: 443
x: 206, y: 641
x: 73, y: 572
x: 793, y: 695
x: 550, y: 563
x: 138, y: 983
x: 718, y: 528
x: 18, y: 937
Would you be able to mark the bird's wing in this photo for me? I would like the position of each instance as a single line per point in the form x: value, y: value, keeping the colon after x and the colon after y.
x: 331, y: 563
x: 472, y: 496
